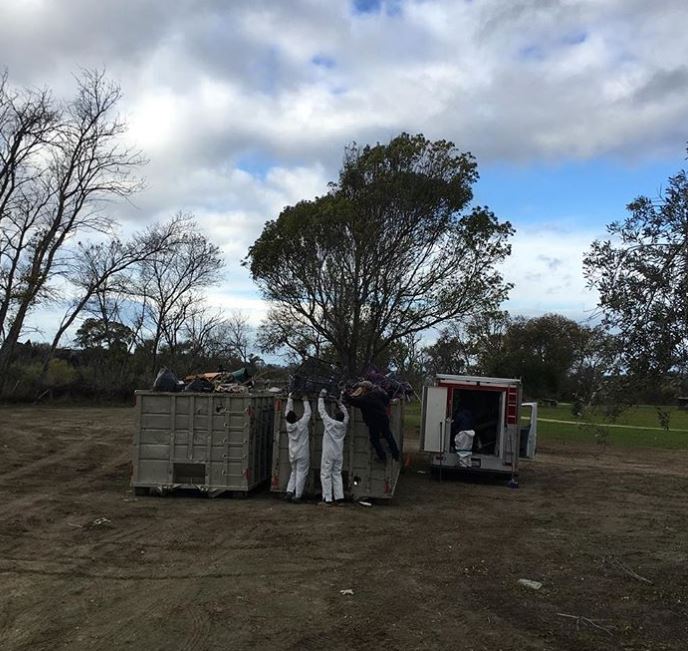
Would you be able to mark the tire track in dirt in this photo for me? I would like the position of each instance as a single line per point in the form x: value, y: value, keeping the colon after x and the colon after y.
x: 79, y: 573
x: 62, y: 485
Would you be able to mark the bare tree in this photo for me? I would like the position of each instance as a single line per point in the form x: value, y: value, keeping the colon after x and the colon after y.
x: 201, y: 332
x: 284, y: 328
x: 98, y: 269
x: 237, y: 332
x: 67, y: 162
x: 169, y: 285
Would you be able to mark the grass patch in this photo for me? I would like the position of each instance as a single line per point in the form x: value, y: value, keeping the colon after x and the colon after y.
x: 641, y: 416
x: 640, y: 429
x: 624, y: 438
x: 595, y: 429
x: 412, y: 415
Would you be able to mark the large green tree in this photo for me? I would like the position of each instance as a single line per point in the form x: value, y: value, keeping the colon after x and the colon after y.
x: 555, y: 356
x: 641, y: 275
x: 545, y: 351
x: 391, y: 250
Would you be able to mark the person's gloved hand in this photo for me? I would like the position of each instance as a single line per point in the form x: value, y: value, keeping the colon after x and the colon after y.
x: 323, y: 393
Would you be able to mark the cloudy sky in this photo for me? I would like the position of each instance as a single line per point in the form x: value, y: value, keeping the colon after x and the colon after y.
x: 572, y: 108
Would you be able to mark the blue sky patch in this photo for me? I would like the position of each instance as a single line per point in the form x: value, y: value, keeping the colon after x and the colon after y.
x: 255, y: 163
x: 583, y: 194
x: 367, y: 6
x: 531, y: 53
x: 575, y: 38
x: 323, y: 61
x: 391, y: 7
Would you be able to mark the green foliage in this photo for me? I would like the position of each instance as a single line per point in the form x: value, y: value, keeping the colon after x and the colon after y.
x: 390, y: 251
x: 60, y: 374
x: 543, y: 351
x: 641, y: 274
x: 554, y: 356
x: 98, y: 333
x: 467, y: 347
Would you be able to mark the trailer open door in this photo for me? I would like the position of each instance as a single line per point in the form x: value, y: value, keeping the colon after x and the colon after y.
x: 434, y: 419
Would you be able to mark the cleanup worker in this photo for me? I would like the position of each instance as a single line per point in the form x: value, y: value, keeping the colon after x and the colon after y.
x: 299, y: 452
x: 332, y: 451
x: 463, y: 432
x: 373, y: 404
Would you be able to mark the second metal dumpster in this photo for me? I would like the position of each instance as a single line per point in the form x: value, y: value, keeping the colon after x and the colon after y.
x: 363, y: 476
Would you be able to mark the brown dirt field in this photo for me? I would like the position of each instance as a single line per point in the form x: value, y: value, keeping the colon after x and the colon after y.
x: 435, y: 568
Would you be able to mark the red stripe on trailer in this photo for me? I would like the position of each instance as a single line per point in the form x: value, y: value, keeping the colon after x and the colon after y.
x: 474, y: 387
x: 511, y: 405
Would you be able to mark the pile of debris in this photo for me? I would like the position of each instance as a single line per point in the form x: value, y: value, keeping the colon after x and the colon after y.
x: 218, y: 382
x: 388, y: 382
x: 314, y: 374
x: 308, y: 379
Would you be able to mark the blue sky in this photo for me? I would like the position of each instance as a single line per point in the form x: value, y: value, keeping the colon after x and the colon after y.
x: 571, y: 107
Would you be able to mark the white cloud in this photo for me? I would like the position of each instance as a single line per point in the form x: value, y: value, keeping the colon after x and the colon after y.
x: 546, y: 268
x: 207, y: 83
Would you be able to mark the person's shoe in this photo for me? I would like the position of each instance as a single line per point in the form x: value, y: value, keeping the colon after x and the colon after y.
x: 339, y: 502
x: 324, y: 503
x: 295, y: 500
x: 288, y: 497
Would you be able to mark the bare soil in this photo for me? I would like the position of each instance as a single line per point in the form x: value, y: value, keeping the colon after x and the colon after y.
x: 86, y: 565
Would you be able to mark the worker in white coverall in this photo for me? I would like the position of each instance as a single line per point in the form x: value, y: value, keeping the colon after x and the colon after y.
x: 332, y: 451
x: 299, y: 452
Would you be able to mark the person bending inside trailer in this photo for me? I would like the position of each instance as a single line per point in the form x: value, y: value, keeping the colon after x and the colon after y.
x: 299, y: 452
x: 374, y: 404
x: 332, y: 451
x: 463, y: 433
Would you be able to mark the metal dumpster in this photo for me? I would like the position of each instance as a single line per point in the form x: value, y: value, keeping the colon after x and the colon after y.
x: 362, y: 475
x: 213, y: 442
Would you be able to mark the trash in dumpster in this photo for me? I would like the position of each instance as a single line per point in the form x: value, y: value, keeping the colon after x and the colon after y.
x: 166, y: 380
x: 200, y: 385
x: 388, y: 381
x: 314, y: 375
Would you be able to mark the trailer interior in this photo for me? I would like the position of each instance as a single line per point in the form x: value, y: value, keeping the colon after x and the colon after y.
x: 485, y: 410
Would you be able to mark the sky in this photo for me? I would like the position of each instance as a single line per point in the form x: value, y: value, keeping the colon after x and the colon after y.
x: 571, y: 107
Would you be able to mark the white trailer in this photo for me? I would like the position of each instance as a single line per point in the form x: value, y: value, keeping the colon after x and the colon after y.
x: 472, y: 423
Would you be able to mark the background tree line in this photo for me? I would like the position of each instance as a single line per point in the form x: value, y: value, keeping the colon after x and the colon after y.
x: 139, y: 301
x: 394, y: 251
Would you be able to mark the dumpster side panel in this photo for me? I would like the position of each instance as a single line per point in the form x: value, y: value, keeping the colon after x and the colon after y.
x: 208, y: 441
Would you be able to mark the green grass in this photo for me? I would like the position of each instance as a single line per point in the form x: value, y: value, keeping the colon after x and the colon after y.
x: 597, y: 429
x: 412, y: 415
x: 642, y: 427
x: 638, y: 416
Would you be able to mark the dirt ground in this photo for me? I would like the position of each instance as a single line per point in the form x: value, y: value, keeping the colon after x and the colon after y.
x: 85, y: 565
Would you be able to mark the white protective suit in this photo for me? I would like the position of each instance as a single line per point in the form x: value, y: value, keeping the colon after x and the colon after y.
x: 332, y: 452
x: 299, y: 453
x: 463, y: 442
